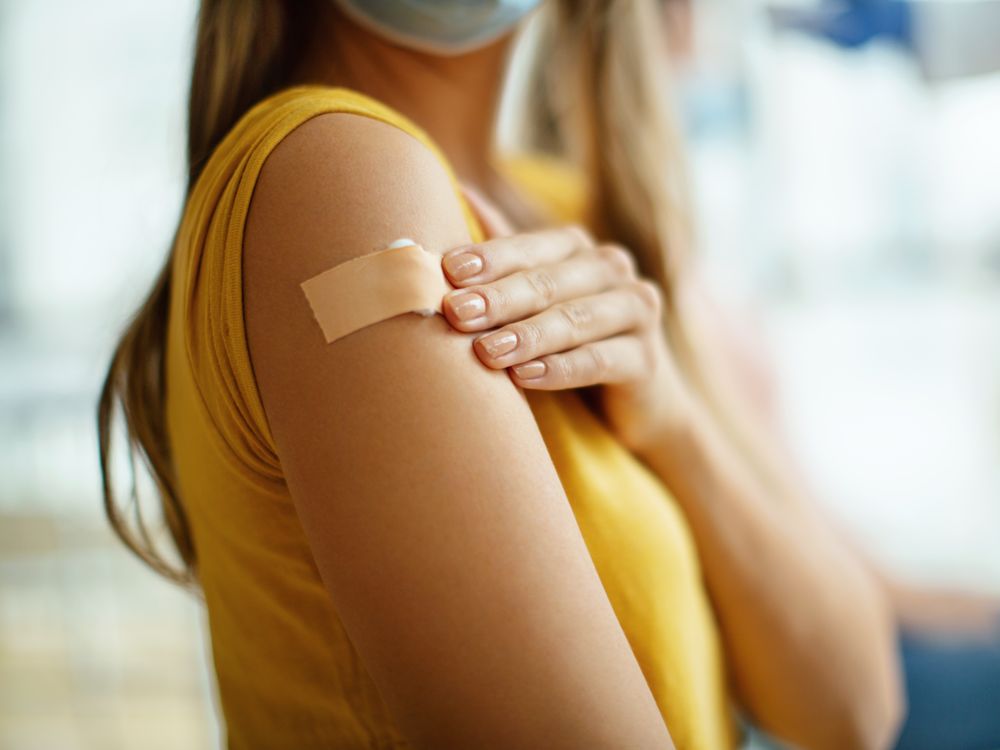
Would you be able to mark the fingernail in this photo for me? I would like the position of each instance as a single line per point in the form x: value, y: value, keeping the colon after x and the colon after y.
x: 500, y: 343
x: 467, y: 306
x: 462, y: 265
x: 530, y: 370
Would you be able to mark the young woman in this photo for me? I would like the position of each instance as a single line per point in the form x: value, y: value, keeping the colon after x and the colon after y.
x: 400, y: 546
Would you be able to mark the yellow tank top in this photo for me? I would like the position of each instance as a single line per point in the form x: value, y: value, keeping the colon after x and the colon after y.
x: 287, y: 674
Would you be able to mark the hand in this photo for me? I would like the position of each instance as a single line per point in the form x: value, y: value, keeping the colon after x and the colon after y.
x: 571, y: 313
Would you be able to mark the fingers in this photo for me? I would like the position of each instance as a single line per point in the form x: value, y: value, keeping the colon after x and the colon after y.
x: 571, y: 324
x: 619, y: 359
x: 573, y: 313
x: 524, y: 293
x: 496, y: 258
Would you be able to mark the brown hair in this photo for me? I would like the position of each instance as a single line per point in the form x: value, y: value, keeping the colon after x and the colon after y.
x: 244, y: 50
x: 598, y: 97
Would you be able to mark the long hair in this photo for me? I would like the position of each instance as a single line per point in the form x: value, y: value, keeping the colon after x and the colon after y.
x: 244, y: 51
x: 599, y: 99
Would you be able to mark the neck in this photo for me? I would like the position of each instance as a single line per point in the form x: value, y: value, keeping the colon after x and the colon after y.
x: 454, y: 99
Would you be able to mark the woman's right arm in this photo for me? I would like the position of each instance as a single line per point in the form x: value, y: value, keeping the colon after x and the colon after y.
x: 434, y: 513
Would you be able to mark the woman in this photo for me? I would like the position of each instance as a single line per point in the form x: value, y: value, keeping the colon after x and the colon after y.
x: 399, y: 546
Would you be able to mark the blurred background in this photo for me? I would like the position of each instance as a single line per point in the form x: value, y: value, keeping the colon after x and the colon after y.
x: 846, y: 166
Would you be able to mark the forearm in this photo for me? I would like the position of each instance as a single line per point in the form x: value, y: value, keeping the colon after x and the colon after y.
x: 810, y: 638
x: 943, y: 610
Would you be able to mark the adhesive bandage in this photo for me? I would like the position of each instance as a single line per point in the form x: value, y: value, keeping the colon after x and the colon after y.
x: 402, y: 278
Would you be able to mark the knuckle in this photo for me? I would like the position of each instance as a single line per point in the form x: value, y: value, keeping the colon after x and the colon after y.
x: 529, y: 334
x: 598, y: 362
x: 582, y: 235
x: 621, y: 260
x: 575, y: 315
x: 565, y: 368
x: 543, y: 285
x: 650, y: 294
x: 506, y: 255
x: 520, y: 248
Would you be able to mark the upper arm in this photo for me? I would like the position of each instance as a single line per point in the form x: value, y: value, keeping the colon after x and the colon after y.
x: 431, y: 505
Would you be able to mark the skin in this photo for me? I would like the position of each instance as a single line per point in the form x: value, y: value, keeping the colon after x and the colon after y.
x: 377, y: 491
x: 579, y: 315
x: 853, y: 603
x: 749, y: 377
x: 824, y: 673
x: 821, y: 674
x: 434, y: 513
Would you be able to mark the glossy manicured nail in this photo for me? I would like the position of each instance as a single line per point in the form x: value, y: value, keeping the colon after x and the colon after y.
x: 467, y: 306
x: 463, y: 265
x: 530, y: 370
x: 500, y: 343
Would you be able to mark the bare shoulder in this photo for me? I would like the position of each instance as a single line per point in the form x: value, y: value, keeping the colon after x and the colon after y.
x: 343, y: 185
x: 338, y: 187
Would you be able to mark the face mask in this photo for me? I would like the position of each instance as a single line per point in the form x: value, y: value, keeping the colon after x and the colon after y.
x: 439, y: 27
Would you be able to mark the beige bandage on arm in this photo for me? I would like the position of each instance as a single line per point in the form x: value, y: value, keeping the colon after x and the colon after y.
x: 402, y: 278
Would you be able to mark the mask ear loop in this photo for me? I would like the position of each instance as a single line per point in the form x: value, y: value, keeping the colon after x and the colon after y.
x: 401, y: 278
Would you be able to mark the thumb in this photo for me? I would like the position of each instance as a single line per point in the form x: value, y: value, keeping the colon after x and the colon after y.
x: 493, y: 221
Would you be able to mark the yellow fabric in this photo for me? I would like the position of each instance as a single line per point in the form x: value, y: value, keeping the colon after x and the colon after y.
x: 287, y: 673
x: 556, y: 185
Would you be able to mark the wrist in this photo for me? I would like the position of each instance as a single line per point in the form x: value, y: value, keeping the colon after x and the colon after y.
x: 675, y: 436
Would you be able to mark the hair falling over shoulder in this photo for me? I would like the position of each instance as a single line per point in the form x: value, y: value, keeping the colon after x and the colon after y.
x: 596, y: 96
x: 243, y: 52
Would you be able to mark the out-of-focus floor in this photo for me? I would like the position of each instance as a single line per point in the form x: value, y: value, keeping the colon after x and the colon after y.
x: 94, y: 652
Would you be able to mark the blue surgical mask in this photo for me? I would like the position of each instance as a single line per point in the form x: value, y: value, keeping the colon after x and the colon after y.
x: 440, y: 27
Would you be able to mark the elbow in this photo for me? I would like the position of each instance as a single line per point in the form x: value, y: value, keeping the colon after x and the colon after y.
x: 872, y: 725
x: 857, y: 702
x: 876, y: 715
x: 868, y: 710
x: 869, y: 701
x: 869, y: 720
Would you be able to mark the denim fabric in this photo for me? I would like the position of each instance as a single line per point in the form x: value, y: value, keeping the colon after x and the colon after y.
x: 953, y: 692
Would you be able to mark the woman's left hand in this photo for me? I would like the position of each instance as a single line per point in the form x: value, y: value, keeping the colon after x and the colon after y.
x: 571, y: 313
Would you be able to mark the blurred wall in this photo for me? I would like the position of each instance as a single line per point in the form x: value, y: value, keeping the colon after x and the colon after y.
x: 851, y: 209
x: 95, y: 652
